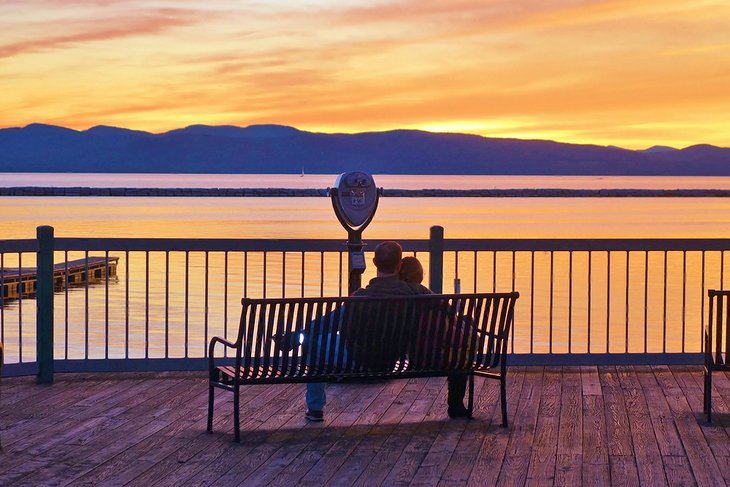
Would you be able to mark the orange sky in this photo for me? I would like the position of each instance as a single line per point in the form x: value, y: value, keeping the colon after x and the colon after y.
x: 623, y: 72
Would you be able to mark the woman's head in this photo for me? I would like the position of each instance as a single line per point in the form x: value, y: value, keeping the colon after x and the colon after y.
x: 411, y: 270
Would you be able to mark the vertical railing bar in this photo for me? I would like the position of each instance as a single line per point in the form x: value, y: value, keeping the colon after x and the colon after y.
x: 628, y: 283
x: 20, y: 307
x: 86, y: 305
x: 722, y: 286
x: 302, y: 292
x: 664, y: 315
x: 167, y: 303
x: 187, y: 303
x: 532, y: 300
x: 722, y: 269
x: 494, y: 271
x: 646, y: 301
x: 225, y: 295
x: 590, y: 263
x: 684, y: 298
x: 321, y: 274
x: 264, y: 274
x: 608, y: 301
x: 106, y: 304
x: 245, y: 274
x: 341, y: 276
x: 126, y: 302
x: 514, y: 278
x: 552, y: 282
x: 702, y: 298
x: 65, y: 311
x: 146, y: 304
x: 570, y: 301
x: 514, y: 270
x: 206, y: 304
x: 456, y: 264
x: 476, y: 256
x: 283, y: 274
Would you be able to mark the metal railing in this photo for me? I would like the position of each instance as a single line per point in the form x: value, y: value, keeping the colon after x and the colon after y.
x: 587, y: 301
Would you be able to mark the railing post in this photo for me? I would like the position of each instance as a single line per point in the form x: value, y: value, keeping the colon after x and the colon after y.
x: 44, y: 305
x: 436, y: 259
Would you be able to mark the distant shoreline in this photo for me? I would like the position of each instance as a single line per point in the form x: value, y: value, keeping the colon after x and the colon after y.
x: 396, y: 193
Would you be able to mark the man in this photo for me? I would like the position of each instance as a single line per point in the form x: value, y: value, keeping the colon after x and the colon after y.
x: 387, y: 283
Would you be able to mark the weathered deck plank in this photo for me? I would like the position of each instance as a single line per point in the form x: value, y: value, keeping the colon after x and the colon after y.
x: 624, y: 425
x: 490, y: 458
x: 519, y: 446
x: 467, y: 450
x: 545, y: 445
x: 701, y: 458
x: 646, y: 449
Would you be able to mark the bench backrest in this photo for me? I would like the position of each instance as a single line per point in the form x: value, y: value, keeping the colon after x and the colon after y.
x: 373, y: 336
x: 717, y: 331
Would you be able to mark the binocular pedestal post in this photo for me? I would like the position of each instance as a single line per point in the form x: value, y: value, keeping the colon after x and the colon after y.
x: 355, y: 200
x: 356, y: 260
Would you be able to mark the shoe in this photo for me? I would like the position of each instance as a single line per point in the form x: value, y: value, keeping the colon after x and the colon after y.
x: 459, y: 412
x: 314, y: 415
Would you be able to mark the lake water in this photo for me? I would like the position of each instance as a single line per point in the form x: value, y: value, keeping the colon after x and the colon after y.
x: 397, y: 218
x: 383, y: 180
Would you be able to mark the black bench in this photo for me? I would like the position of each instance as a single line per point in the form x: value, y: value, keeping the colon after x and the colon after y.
x: 717, y: 341
x: 296, y: 340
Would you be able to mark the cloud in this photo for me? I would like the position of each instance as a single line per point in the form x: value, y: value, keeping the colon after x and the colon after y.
x: 564, y: 68
x: 148, y: 22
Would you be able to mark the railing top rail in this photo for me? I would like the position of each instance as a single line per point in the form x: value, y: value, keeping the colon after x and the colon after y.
x: 25, y: 245
x: 337, y: 245
x: 410, y: 245
x: 585, y: 244
x: 221, y: 244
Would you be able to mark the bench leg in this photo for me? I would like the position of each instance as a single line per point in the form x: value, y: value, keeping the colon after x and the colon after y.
x: 470, y: 406
x: 211, y: 397
x: 708, y: 395
x: 236, y: 421
x: 503, y: 397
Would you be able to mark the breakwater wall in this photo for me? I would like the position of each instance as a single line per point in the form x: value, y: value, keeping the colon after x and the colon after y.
x: 397, y: 193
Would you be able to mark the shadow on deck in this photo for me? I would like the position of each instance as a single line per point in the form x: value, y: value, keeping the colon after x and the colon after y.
x: 625, y: 425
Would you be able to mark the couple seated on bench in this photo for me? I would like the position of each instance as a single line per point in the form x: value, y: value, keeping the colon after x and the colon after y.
x: 396, y: 276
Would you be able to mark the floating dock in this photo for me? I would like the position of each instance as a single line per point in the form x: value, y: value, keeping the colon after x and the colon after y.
x: 21, y: 282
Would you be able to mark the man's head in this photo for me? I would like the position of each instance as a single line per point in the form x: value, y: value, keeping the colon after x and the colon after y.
x: 387, y: 257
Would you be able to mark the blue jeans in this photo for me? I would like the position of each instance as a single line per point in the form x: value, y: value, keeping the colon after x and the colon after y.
x: 316, y: 397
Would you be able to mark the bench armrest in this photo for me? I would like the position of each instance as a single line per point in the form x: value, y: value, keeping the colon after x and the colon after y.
x: 211, y: 350
x: 225, y: 342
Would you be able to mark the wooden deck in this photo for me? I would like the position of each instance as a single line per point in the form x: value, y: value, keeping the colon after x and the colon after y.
x: 569, y: 426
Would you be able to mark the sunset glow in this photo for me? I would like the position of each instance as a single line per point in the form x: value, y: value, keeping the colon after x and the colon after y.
x: 618, y: 72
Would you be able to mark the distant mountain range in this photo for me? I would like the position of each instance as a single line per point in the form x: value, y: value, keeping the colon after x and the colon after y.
x: 277, y: 149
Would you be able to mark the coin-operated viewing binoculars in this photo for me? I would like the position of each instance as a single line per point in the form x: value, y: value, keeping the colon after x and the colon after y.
x: 355, y: 199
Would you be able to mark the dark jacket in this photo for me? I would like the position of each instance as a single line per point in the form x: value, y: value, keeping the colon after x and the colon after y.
x: 383, y: 287
x: 381, y: 328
